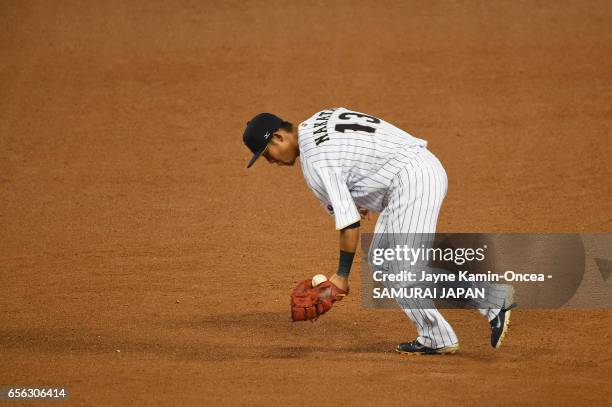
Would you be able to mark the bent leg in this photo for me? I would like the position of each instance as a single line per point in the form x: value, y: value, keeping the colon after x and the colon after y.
x: 412, y: 211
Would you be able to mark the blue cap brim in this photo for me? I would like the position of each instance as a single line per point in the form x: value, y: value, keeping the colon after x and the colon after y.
x: 255, y: 157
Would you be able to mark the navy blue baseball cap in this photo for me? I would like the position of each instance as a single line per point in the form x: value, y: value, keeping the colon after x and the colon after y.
x: 258, y: 133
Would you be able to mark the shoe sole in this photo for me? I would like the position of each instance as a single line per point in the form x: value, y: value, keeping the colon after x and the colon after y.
x: 448, y: 350
x: 506, y: 320
x: 505, y: 330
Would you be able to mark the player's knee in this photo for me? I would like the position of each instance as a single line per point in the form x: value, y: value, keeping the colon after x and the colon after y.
x: 375, y: 258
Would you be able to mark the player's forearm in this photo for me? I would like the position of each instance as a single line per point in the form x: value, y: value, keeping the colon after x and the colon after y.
x: 349, y: 238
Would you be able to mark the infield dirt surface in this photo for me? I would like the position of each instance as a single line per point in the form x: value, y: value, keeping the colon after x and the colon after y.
x: 142, y: 263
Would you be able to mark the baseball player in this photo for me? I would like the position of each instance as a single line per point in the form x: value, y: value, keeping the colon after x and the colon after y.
x: 355, y: 163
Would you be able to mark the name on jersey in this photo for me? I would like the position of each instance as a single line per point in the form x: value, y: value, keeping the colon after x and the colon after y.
x: 320, y: 126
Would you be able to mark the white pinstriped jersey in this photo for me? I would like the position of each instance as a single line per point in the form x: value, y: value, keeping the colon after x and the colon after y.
x: 349, y: 160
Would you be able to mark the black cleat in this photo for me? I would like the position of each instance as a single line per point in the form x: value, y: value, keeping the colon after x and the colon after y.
x: 415, y: 348
x: 499, y: 326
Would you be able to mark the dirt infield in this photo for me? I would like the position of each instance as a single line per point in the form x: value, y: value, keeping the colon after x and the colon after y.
x: 143, y: 264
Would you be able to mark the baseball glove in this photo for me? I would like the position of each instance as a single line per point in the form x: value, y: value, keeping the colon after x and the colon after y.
x: 308, y: 302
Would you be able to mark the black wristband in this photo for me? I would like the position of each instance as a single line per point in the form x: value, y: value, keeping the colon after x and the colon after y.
x: 345, y: 263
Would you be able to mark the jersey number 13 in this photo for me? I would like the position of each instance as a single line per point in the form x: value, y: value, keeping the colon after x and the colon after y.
x: 354, y: 126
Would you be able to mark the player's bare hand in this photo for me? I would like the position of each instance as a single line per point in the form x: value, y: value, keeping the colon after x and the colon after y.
x: 339, y: 282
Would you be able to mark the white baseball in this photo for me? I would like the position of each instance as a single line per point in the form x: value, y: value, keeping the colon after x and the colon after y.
x: 318, y: 279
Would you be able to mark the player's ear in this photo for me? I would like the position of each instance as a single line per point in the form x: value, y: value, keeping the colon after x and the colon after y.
x: 278, y: 137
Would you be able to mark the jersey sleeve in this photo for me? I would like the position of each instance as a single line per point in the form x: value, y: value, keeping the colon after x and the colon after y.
x: 342, y: 205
